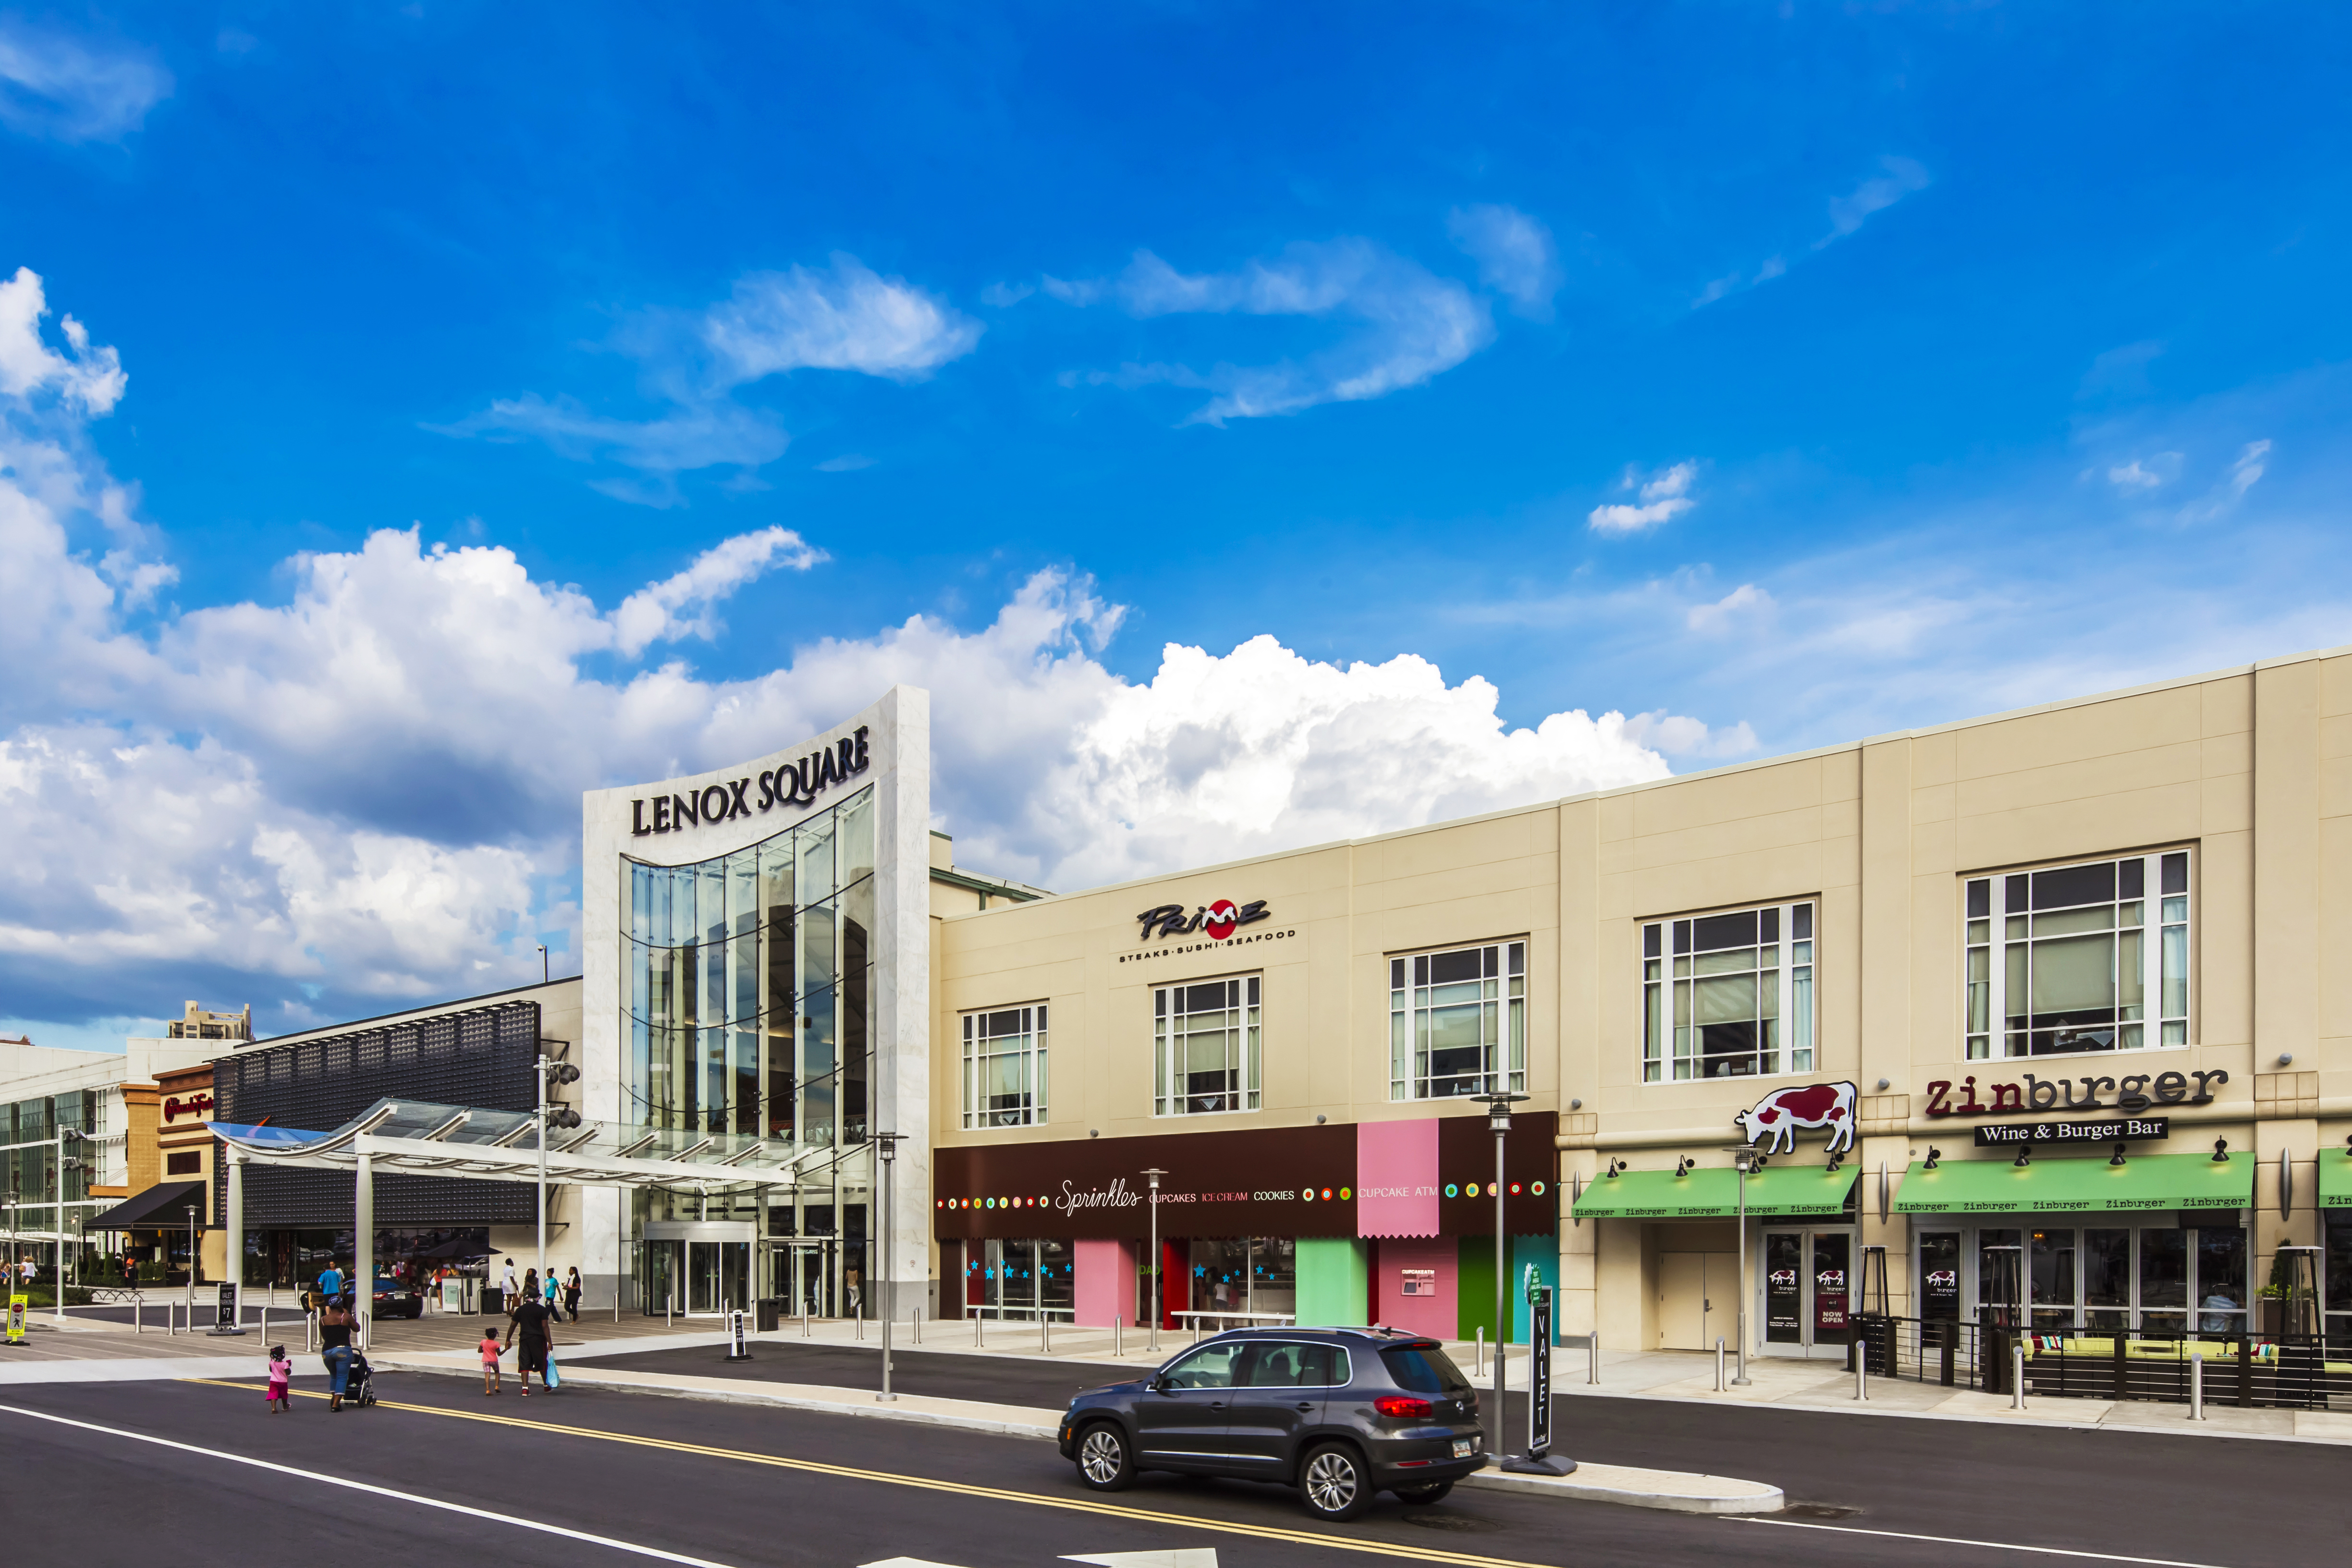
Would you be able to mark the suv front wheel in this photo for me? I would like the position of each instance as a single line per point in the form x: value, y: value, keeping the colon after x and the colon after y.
x: 1106, y: 1464
x: 1334, y: 1484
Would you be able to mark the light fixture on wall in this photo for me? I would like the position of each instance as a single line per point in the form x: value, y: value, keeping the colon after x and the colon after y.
x: 1683, y: 1165
x: 2119, y: 1158
x: 2024, y: 1155
x: 2221, y: 1151
x: 1884, y: 1084
x: 1319, y: 1118
x: 2286, y: 1058
x: 1576, y: 1105
x: 1934, y: 1154
x: 1094, y: 1132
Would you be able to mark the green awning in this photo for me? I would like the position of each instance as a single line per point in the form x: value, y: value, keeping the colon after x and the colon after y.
x: 1714, y: 1194
x: 2336, y: 1178
x: 2046, y: 1186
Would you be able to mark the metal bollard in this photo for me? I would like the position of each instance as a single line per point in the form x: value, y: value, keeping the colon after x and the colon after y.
x: 979, y: 1334
x: 1718, y: 1363
x: 2017, y: 1377
x: 1481, y: 1372
x: 804, y: 1320
x: 1592, y: 1359
x: 136, y: 1326
x: 860, y: 1321
x: 668, y: 1304
x: 1043, y: 1344
x: 1118, y: 1337
x: 918, y: 1325
x: 2197, y: 1385
x: 1861, y: 1370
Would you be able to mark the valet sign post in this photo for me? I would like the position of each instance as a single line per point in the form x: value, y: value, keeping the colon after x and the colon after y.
x: 1538, y: 1459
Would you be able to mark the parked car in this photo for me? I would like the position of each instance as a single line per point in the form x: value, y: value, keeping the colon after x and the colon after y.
x: 394, y: 1299
x: 1340, y: 1414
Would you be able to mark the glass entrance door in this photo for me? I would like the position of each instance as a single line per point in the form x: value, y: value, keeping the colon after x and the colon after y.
x: 1807, y: 1288
x: 718, y: 1276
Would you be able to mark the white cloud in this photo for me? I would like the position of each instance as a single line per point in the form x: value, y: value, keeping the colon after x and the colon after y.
x: 846, y: 318
x: 90, y: 378
x: 68, y: 91
x: 1737, y: 609
x: 370, y: 791
x: 1515, y: 253
x: 849, y: 319
x: 2144, y: 474
x: 1898, y: 178
x: 1663, y: 496
x: 2245, y: 472
x: 1409, y: 325
x: 1677, y: 736
x: 654, y: 611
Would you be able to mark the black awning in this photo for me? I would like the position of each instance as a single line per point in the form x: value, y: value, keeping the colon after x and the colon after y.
x: 161, y: 1207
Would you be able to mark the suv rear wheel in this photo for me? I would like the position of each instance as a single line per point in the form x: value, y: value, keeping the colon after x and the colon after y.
x: 1106, y: 1464
x: 1334, y: 1483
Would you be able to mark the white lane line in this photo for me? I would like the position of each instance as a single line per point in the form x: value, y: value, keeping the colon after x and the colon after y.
x: 417, y: 1497
x: 1960, y: 1540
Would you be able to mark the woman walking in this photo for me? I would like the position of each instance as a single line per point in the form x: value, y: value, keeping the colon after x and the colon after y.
x: 571, y: 1294
x: 335, y: 1349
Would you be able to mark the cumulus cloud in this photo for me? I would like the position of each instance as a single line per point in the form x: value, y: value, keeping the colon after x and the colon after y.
x: 1678, y: 735
x: 92, y: 379
x: 843, y: 318
x: 369, y: 792
x: 1407, y: 325
x: 1514, y: 253
x: 1662, y: 496
x: 70, y: 91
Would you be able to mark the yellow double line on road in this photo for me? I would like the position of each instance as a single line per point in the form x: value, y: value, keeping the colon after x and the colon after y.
x: 958, y: 1488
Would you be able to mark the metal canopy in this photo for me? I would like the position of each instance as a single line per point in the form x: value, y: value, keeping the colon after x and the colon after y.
x: 417, y: 1138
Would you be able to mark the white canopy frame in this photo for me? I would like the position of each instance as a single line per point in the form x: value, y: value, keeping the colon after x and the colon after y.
x: 419, y: 1138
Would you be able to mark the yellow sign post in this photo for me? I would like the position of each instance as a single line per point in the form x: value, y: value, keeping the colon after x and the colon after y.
x: 17, y: 1305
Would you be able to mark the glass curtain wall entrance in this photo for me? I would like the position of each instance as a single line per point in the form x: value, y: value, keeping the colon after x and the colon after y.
x: 747, y: 982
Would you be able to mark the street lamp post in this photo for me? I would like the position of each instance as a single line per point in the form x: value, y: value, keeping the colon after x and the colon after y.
x: 191, y: 1266
x: 1153, y: 1262
x: 888, y: 1145
x: 1745, y: 1160
x: 64, y: 1135
x: 1499, y: 1103
x: 551, y: 1115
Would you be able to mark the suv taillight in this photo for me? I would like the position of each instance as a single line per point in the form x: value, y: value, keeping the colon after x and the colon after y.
x: 1401, y: 1405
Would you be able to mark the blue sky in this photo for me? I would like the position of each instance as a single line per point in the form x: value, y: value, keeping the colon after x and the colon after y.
x: 1781, y: 373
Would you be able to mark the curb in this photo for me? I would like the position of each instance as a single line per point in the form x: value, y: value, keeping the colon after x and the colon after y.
x: 1589, y: 1483
x: 1617, y: 1484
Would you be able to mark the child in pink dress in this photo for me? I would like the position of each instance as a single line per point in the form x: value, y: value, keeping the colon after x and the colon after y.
x: 281, y: 1374
x: 490, y: 1361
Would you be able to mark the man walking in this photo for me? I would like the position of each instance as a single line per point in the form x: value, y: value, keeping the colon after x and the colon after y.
x: 330, y: 1285
x: 532, y: 1318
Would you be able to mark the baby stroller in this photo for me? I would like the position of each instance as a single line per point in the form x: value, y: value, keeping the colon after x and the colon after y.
x: 359, y: 1382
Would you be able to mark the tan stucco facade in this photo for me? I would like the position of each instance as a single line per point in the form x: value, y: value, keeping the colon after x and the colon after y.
x: 2249, y: 771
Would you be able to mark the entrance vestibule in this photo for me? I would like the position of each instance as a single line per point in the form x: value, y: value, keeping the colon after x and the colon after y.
x: 1807, y: 1287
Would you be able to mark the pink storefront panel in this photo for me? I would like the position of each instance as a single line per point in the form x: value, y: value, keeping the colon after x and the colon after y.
x: 1428, y: 1267
x: 1105, y: 1278
x: 1396, y: 1177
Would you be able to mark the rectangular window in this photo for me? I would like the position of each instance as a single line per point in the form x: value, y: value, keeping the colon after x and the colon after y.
x: 1739, y: 999
x: 1458, y: 1022
x: 1004, y: 1067
x: 1205, y: 1047
x: 2077, y: 958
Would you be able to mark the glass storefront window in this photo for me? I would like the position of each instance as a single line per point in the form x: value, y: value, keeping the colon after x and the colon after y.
x: 1939, y: 1274
x: 1205, y: 1047
x: 1004, y: 1067
x: 2106, y: 1278
x: 1458, y: 1019
x: 2338, y: 1290
x: 2163, y: 1279
x: 2000, y: 1275
x: 1784, y: 1288
x: 1742, y: 994
x: 1017, y: 1280
x: 2068, y: 958
x: 2221, y: 1280
x: 2050, y: 1264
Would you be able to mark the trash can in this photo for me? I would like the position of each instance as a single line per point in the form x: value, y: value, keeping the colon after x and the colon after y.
x: 493, y: 1301
x: 770, y: 1313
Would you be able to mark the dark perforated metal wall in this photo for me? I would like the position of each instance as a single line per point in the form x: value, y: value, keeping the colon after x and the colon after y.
x: 481, y: 1057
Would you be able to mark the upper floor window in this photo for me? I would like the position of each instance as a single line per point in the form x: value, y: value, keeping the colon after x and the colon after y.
x: 1205, y: 1048
x: 2079, y: 958
x: 1004, y: 1067
x: 1458, y: 1022
x: 1739, y: 988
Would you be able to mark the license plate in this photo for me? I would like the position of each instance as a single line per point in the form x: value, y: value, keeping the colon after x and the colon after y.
x: 1461, y: 1447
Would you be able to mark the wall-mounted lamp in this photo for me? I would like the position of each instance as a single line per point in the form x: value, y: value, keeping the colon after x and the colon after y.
x: 1319, y: 1118
x: 1094, y: 1132
x: 2119, y: 1158
x: 1884, y: 1084
x: 1683, y: 1165
x: 2024, y: 1155
x: 2286, y: 1058
x: 1576, y: 1105
x: 2221, y: 1151
x: 1934, y: 1154
x: 1615, y: 1166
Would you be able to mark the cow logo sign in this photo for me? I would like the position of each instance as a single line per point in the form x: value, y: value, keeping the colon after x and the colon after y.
x: 1780, y: 1113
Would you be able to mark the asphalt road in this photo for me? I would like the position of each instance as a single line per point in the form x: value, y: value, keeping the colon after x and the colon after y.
x: 2200, y: 1500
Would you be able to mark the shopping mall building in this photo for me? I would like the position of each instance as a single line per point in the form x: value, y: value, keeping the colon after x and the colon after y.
x: 1986, y: 995
x: 2029, y: 1012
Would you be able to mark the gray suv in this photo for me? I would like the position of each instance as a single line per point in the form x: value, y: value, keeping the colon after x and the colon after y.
x: 1340, y: 1414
